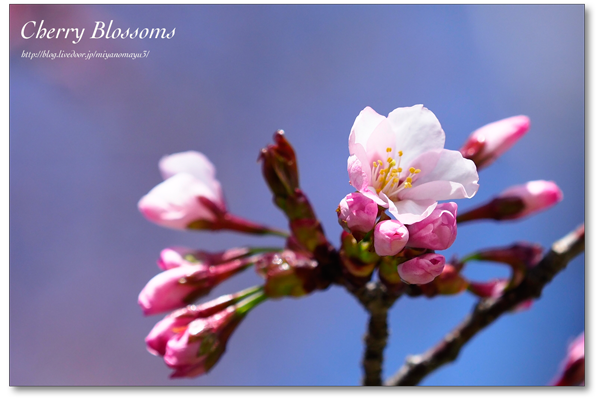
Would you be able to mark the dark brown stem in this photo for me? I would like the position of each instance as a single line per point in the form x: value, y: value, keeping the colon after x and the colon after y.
x: 488, y: 310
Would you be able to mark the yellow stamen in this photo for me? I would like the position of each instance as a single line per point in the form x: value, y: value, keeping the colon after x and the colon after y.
x: 389, y: 150
x: 412, y: 170
x: 400, y: 153
x: 407, y: 185
x: 409, y: 180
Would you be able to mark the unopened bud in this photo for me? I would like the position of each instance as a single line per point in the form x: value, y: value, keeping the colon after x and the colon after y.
x: 179, y: 286
x: 520, y: 256
x: 489, y: 142
x: 288, y: 273
x: 437, y: 231
x: 422, y: 269
x: 357, y: 214
x: 517, y: 202
x: 449, y: 282
x: 390, y: 237
x: 279, y: 166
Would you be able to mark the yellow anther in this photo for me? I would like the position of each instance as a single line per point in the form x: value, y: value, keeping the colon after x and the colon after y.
x: 395, y: 180
x: 400, y: 153
x: 382, y: 172
x: 417, y: 171
x: 389, y: 150
x: 399, y: 169
x: 374, y: 164
x: 407, y: 185
x: 412, y: 170
x: 389, y: 159
x: 379, y: 162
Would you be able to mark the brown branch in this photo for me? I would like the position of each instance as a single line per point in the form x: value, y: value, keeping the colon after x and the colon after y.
x: 488, y: 310
x: 377, y: 300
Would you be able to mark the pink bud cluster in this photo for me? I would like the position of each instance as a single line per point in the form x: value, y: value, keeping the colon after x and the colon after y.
x: 358, y: 214
x: 192, y: 339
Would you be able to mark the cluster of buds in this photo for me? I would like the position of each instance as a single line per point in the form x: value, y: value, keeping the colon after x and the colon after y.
x: 192, y: 339
x: 361, y: 217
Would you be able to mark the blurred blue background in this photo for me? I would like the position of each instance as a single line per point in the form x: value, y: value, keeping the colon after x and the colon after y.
x: 86, y: 137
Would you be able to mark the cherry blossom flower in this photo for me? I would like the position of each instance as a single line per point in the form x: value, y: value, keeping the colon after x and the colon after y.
x: 400, y: 163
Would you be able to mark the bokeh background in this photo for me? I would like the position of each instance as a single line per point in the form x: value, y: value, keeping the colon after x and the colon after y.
x: 86, y: 137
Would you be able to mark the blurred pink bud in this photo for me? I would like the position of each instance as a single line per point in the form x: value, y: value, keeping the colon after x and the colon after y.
x: 516, y: 202
x: 489, y: 142
x: 176, y: 256
x: 422, y: 269
x: 573, y: 366
x: 197, y: 349
x: 390, y: 237
x: 437, y: 231
x: 176, y: 202
x: 496, y: 288
x: 176, y: 322
x: 194, y: 352
x: 536, y: 196
x: 179, y: 286
x: 357, y: 213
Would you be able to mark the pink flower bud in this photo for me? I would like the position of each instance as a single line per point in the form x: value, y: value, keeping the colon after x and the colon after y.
x: 194, y: 351
x: 573, y: 366
x: 390, y: 237
x: 179, y: 286
x: 171, y: 289
x: 190, y: 197
x: 536, y: 196
x: 176, y: 256
x: 496, y: 288
x: 437, y: 231
x: 357, y: 213
x: 489, y: 142
x: 176, y: 202
x: 516, y: 202
x: 175, y: 324
x: 422, y: 269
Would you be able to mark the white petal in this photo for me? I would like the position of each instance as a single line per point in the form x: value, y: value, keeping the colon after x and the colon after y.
x: 364, y: 124
x: 417, y: 131
x: 359, y: 178
x: 411, y: 211
x: 454, y: 177
x: 174, y: 202
x: 191, y: 162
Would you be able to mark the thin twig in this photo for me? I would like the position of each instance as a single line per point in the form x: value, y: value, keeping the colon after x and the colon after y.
x: 488, y: 310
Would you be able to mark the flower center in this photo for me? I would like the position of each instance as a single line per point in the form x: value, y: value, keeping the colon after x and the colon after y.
x: 386, y: 176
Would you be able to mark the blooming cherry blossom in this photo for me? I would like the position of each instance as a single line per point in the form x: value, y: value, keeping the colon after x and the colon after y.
x: 400, y: 163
